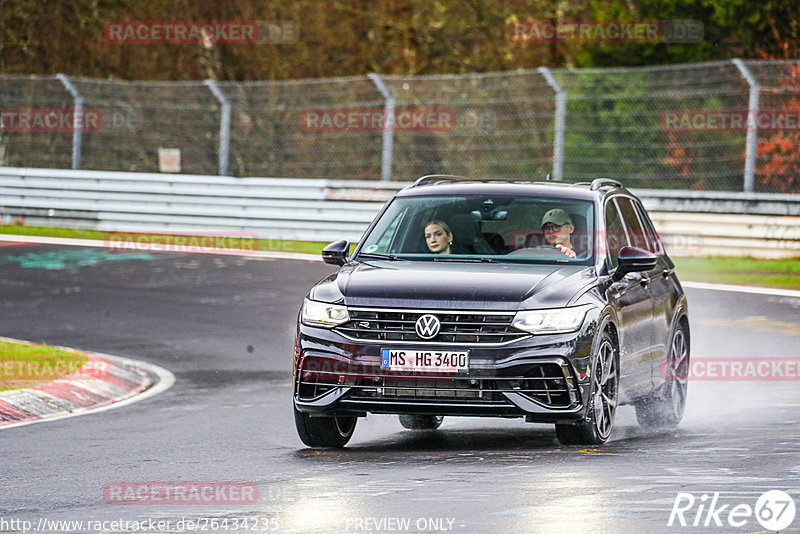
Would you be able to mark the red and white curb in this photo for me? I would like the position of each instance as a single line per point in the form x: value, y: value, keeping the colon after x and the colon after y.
x: 105, y: 382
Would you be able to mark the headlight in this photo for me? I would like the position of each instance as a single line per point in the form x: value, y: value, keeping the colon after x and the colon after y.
x: 323, y: 314
x: 553, y: 321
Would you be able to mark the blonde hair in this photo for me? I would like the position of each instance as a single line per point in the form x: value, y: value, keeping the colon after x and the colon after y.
x: 441, y: 223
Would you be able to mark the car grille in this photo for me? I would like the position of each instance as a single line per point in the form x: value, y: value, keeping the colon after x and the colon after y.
x: 473, y: 328
x: 544, y: 383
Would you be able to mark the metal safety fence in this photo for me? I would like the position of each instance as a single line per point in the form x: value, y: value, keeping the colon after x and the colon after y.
x: 722, y: 126
x: 691, y: 222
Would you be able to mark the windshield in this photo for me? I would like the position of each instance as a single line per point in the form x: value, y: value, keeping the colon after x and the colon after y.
x: 483, y: 228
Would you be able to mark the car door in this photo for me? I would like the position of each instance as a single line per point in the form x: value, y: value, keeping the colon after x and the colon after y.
x: 663, y: 290
x: 630, y: 296
x: 654, y: 279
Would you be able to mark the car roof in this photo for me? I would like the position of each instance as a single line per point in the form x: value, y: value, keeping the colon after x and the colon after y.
x: 436, y: 185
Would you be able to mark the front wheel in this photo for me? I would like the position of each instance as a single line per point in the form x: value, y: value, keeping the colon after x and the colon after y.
x: 596, y: 427
x: 666, y: 410
x: 421, y: 422
x: 328, y: 431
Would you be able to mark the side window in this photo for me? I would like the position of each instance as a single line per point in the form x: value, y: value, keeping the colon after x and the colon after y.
x: 615, y: 233
x: 633, y: 227
x: 653, y: 238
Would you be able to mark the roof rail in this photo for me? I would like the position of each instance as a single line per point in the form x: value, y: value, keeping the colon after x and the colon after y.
x: 597, y: 183
x: 436, y: 178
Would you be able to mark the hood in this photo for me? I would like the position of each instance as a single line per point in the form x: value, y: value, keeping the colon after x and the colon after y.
x: 451, y: 285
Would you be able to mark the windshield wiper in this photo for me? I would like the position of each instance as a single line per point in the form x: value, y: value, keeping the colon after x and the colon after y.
x: 373, y: 256
x: 468, y: 260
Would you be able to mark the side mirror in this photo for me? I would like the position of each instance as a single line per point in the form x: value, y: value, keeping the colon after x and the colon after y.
x: 336, y: 252
x: 634, y: 260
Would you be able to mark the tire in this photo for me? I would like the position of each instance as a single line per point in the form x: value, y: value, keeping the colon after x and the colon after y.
x: 331, y: 431
x: 665, y: 409
x: 421, y: 422
x: 604, y: 395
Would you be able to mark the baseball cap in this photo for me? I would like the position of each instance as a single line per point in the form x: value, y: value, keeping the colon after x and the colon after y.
x: 556, y: 216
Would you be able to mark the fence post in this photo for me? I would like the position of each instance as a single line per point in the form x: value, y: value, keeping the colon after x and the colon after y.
x: 558, y: 134
x: 752, y: 124
x: 224, y: 126
x: 77, y: 119
x: 388, y: 127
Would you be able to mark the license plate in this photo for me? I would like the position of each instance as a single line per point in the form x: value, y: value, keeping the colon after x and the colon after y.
x: 429, y: 361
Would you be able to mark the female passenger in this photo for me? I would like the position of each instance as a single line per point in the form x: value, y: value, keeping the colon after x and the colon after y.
x: 438, y: 237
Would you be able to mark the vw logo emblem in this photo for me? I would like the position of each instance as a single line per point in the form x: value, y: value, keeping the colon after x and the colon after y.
x: 427, y: 326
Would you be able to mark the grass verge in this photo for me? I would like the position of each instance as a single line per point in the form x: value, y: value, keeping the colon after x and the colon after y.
x: 781, y: 273
x: 24, y: 365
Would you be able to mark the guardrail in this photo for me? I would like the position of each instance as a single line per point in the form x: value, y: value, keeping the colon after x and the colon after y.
x: 762, y: 225
x: 720, y: 202
x: 713, y: 234
x: 714, y: 223
x: 274, y: 208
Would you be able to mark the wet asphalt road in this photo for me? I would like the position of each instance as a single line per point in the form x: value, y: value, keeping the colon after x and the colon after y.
x: 224, y: 326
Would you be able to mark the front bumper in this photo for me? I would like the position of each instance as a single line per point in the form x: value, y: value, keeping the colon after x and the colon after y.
x: 541, y: 378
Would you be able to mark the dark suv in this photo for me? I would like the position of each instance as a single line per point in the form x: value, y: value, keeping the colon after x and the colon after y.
x: 550, y: 301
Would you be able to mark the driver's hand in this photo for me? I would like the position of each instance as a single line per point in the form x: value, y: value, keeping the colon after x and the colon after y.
x: 568, y: 251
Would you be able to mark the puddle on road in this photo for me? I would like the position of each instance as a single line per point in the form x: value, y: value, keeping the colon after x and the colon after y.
x: 759, y: 323
x: 216, y: 378
x: 70, y: 258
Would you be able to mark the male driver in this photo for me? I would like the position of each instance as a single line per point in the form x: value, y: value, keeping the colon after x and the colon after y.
x: 557, y: 226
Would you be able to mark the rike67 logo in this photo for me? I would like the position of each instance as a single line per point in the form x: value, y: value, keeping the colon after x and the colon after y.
x: 774, y: 510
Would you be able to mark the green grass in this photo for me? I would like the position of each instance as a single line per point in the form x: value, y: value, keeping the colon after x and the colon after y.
x: 51, y: 232
x: 25, y: 365
x: 782, y: 273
